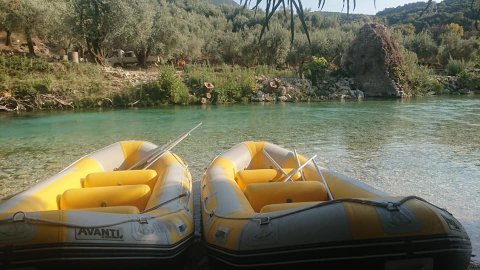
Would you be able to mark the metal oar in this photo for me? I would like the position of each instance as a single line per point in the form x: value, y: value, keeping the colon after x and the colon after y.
x: 158, y: 152
x: 330, y: 196
x: 293, y: 172
x: 274, y: 162
x: 298, y: 163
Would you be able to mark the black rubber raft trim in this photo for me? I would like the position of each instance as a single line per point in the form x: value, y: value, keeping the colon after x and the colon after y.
x: 92, y: 254
x: 446, y: 251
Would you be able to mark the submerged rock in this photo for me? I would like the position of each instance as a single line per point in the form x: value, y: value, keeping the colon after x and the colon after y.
x: 375, y: 62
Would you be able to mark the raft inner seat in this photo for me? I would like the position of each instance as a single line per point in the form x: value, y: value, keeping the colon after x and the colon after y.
x: 262, y: 194
x: 95, y: 197
x: 247, y: 177
x: 120, y: 178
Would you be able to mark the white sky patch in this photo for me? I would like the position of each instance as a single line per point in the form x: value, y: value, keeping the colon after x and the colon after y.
x: 363, y: 6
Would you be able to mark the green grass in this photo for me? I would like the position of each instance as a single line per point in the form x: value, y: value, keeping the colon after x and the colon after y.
x: 168, y: 89
x: 38, y: 84
x: 232, y: 84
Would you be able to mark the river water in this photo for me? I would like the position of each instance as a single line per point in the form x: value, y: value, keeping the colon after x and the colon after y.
x: 428, y: 147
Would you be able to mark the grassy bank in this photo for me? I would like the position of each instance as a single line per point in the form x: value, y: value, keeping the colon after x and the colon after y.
x: 231, y: 84
x: 36, y: 84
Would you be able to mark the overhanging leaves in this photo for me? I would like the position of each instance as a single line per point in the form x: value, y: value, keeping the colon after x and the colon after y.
x: 295, y: 6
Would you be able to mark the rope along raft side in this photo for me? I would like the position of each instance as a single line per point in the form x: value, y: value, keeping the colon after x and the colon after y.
x: 93, y: 204
x: 264, y: 205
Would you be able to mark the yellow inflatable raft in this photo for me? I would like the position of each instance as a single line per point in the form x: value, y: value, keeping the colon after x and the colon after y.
x: 97, y: 213
x: 263, y: 205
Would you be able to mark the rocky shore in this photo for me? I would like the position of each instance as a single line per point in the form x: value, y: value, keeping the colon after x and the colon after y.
x: 290, y: 89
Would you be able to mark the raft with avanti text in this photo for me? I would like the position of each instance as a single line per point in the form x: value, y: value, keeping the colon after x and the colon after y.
x: 129, y: 203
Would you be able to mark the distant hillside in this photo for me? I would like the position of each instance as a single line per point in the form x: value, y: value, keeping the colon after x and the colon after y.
x: 438, y: 14
x: 337, y: 16
x: 227, y: 2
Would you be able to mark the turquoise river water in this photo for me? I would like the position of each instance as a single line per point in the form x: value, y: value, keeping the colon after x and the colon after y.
x: 426, y: 147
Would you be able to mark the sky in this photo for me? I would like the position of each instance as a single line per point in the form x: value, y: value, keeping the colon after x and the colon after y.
x: 363, y: 6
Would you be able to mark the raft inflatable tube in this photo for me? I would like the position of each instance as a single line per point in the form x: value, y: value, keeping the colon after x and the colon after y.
x: 96, y: 213
x: 252, y: 217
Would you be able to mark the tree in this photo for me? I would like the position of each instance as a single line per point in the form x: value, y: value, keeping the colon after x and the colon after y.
x: 423, y: 45
x: 454, y: 29
x: 142, y: 33
x: 230, y: 47
x: 9, y: 18
x: 61, y: 27
x: 101, y: 22
x: 274, y: 46
x: 454, y: 47
x: 172, y: 41
x: 33, y: 15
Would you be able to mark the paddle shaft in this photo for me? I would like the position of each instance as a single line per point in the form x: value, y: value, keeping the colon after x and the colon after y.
x: 158, y: 152
x: 274, y: 162
x: 293, y: 172
x: 298, y: 163
x: 330, y: 196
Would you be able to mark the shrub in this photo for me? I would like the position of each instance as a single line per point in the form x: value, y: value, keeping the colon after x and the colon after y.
x: 167, y: 89
x: 315, y: 69
x: 432, y: 85
x: 174, y: 89
x: 18, y: 65
x: 469, y: 80
x: 454, y: 66
x: 423, y: 45
x: 418, y: 76
x: 232, y: 84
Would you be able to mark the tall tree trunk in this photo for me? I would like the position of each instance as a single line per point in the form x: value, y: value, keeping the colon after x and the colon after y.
x: 31, y: 48
x: 142, y: 56
x: 97, y: 52
x: 8, y: 40
x: 81, y: 52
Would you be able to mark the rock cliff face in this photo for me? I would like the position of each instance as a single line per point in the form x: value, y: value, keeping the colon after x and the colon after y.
x: 375, y: 63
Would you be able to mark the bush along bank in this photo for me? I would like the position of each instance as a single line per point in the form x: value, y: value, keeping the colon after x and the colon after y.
x: 167, y: 89
x: 34, y: 84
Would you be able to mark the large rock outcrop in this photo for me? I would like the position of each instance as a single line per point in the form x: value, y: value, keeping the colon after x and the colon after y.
x: 375, y: 63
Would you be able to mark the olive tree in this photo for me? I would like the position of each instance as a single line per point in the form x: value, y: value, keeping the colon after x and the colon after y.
x: 141, y: 32
x: 423, y: 45
x: 274, y: 46
x: 61, y: 27
x: 230, y: 47
x: 101, y: 23
x: 37, y: 18
x: 33, y: 17
x: 9, y: 18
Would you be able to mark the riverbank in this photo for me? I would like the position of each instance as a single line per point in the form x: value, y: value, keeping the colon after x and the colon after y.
x: 30, y: 84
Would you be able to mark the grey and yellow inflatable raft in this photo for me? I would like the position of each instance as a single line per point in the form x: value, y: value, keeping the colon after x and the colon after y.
x: 259, y: 210
x: 96, y: 213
